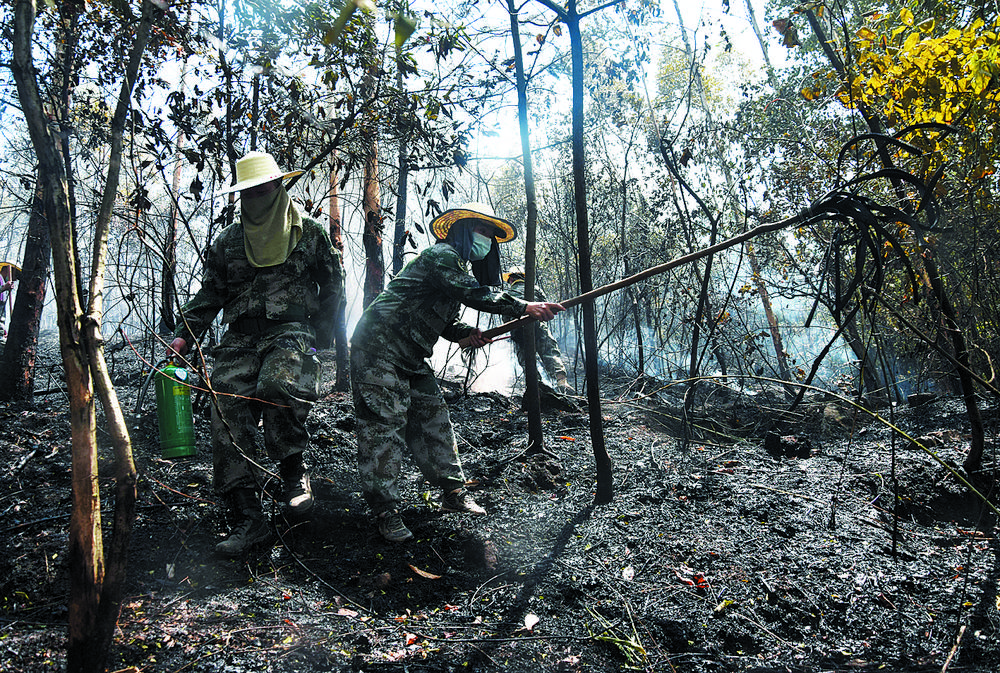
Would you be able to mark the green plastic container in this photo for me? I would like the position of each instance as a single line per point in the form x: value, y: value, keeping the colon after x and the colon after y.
x: 173, y: 410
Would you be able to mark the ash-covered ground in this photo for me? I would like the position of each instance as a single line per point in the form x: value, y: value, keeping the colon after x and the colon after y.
x: 825, y: 545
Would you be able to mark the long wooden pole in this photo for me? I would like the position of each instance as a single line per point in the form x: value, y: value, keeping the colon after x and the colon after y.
x: 648, y: 273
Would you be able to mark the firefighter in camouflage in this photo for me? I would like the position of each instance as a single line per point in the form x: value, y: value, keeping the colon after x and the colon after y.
x: 277, y: 280
x: 397, y: 400
x: 545, y: 344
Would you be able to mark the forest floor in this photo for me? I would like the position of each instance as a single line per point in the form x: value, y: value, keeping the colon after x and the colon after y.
x: 827, y: 546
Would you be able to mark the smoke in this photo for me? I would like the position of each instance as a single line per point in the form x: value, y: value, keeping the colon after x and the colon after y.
x: 492, y: 368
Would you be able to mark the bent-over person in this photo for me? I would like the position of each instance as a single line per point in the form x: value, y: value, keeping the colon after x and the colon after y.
x: 397, y: 400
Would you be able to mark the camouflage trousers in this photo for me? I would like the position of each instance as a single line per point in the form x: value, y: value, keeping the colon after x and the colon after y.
x: 399, y: 408
x: 546, y: 347
x: 272, y: 376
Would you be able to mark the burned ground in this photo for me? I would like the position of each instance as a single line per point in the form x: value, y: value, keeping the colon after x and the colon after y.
x: 809, y: 549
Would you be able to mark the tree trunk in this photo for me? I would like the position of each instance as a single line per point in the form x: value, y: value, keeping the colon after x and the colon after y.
x: 605, y: 482
x: 866, y: 364
x: 772, y: 322
x: 343, y: 382
x: 371, y: 197
x: 399, y: 233
x: 94, y: 596
x: 372, y: 237
x: 973, y: 461
x: 760, y: 39
x: 85, y: 554
x: 167, y: 269
x: 536, y: 439
x: 17, y: 368
x: 633, y: 303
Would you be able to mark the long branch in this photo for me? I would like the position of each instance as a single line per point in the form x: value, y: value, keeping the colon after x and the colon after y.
x: 652, y: 271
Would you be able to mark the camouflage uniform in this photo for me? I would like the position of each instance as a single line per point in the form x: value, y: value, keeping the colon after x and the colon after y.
x: 546, y: 345
x: 265, y: 364
x: 396, y: 396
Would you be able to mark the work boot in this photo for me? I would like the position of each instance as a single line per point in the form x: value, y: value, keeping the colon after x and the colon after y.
x: 392, y: 528
x: 295, y: 479
x: 460, y: 500
x: 252, y: 529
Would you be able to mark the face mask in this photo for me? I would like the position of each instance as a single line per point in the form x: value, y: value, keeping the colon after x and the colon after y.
x: 480, y: 247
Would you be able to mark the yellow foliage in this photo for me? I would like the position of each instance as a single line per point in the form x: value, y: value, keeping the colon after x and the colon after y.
x: 920, y: 72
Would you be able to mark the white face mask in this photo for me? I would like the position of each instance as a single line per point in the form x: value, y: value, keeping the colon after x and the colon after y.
x: 480, y: 247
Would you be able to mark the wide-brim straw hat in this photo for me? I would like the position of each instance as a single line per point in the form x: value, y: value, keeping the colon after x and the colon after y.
x: 254, y: 169
x: 473, y: 210
x: 515, y: 272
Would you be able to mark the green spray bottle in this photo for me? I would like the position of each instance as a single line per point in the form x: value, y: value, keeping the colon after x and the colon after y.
x: 173, y: 411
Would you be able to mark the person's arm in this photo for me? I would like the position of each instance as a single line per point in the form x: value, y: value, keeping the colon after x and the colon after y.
x: 540, y: 310
x: 452, y: 279
x: 543, y: 310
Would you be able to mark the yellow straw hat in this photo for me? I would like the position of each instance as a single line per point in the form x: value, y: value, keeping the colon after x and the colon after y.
x: 473, y: 210
x: 515, y: 272
x: 254, y: 169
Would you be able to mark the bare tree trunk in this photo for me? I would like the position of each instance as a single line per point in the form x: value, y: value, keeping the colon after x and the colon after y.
x: 85, y: 557
x: 694, y: 366
x: 605, y: 481
x: 372, y: 237
x: 630, y: 294
x: 340, y: 324
x: 974, y: 461
x: 17, y: 367
x: 371, y: 198
x: 94, y: 596
x: 772, y: 322
x: 760, y: 40
x: 867, y: 371
x: 399, y: 233
x: 536, y: 439
x: 227, y: 73
x: 167, y: 283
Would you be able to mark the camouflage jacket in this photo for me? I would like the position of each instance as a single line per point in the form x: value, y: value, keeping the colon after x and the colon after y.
x: 423, y: 303
x: 305, y: 288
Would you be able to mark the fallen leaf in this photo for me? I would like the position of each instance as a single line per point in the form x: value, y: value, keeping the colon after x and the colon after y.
x: 628, y: 573
x: 344, y: 612
x: 723, y: 606
x: 410, y: 638
x: 424, y: 573
x: 570, y: 663
x: 530, y: 620
x: 567, y: 438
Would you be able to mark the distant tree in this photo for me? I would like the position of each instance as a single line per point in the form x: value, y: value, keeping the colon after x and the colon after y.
x: 17, y: 365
